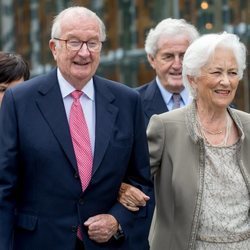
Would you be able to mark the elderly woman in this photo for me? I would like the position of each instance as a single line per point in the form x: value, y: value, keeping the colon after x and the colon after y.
x: 200, y: 155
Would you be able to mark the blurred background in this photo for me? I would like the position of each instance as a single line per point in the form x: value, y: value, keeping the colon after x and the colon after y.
x: 25, y: 28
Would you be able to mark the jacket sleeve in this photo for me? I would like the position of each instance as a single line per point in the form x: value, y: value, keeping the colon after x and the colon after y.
x: 8, y: 169
x: 156, y: 137
x: 138, y: 172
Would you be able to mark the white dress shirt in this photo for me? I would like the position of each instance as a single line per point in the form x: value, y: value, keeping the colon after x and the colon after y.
x: 87, y: 101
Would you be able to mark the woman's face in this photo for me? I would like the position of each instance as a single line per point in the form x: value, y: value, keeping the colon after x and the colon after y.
x: 4, y: 86
x: 217, y: 84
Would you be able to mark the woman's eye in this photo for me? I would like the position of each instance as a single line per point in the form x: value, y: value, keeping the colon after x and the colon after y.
x: 215, y: 73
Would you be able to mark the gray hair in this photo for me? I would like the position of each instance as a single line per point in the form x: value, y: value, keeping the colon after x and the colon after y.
x: 73, y: 12
x: 200, y: 51
x: 168, y: 28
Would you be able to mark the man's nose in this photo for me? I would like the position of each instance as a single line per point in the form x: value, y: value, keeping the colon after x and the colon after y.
x: 84, y: 49
x: 177, y: 62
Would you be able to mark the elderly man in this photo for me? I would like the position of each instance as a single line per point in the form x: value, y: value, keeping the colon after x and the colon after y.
x: 165, y: 46
x: 67, y: 141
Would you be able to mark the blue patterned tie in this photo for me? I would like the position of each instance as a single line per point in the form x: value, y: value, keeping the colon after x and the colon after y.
x: 176, y: 100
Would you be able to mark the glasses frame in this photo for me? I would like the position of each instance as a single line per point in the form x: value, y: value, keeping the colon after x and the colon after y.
x: 82, y: 42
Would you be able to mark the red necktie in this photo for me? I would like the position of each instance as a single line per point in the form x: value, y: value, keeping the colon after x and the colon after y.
x: 81, y: 140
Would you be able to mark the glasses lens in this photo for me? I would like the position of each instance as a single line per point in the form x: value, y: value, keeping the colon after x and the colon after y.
x: 93, y: 46
x: 74, y: 44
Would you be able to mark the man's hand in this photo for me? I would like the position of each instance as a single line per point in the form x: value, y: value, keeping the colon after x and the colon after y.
x: 101, y: 227
x: 131, y: 197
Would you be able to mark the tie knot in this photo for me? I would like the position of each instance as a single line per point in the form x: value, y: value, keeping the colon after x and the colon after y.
x: 176, y: 100
x: 176, y: 96
x: 76, y: 94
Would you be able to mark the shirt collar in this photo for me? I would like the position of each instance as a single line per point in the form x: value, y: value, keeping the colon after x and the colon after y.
x: 186, y: 98
x: 67, y: 88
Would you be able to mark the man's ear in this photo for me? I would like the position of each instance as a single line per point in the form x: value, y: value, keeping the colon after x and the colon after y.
x: 52, y: 46
x: 151, y: 60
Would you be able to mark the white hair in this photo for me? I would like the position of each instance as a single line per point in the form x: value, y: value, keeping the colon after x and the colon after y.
x: 200, y: 51
x: 168, y: 28
x: 73, y: 12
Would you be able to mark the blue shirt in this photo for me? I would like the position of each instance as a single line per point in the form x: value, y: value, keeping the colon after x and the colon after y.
x: 167, y: 96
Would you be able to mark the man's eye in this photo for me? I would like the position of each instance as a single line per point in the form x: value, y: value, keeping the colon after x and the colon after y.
x: 167, y: 57
x: 92, y: 44
x: 74, y: 43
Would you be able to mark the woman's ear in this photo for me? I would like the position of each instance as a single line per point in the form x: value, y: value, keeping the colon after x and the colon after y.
x: 193, y: 81
x: 190, y: 79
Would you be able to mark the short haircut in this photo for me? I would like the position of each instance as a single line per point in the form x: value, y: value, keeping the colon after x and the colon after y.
x: 169, y: 28
x: 73, y: 12
x: 200, y: 51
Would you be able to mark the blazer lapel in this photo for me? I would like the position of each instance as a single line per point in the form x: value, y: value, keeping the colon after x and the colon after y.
x: 106, y: 113
x: 51, y: 106
x: 153, y: 101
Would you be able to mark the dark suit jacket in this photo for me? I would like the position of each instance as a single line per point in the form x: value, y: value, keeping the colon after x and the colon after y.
x: 41, y: 202
x: 152, y: 100
x: 153, y: 103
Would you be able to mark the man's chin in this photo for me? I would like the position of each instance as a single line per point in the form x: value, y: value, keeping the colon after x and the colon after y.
x: 176, y: 86
x: 177, y: 83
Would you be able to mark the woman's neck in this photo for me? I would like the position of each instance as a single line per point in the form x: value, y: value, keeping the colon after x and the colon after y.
x: 211, y: 119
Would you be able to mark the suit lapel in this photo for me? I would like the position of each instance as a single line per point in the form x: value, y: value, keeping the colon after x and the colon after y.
x: 106, y: 113
x: 153, y: 101
x: 51, y: 106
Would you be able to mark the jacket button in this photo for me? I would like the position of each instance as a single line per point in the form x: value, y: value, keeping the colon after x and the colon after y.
x: 76, y: 175
x: 74, y: 229
x: 81, y: 201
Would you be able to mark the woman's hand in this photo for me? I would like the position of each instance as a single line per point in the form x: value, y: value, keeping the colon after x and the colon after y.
x: 131, y: 197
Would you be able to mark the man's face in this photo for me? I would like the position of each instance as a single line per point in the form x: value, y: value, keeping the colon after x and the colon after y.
x: 77, y: 67
x: 168, y: 61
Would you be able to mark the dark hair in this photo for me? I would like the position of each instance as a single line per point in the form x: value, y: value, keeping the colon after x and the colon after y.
x: 13, y: 67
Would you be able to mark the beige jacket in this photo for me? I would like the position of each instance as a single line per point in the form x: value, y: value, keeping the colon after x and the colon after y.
x: 177, y: 163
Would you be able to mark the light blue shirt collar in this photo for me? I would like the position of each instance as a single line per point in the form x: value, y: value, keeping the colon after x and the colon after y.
x: 167, y: 96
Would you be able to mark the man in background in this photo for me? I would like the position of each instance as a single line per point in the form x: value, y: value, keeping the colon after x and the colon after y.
x: 165, y: 46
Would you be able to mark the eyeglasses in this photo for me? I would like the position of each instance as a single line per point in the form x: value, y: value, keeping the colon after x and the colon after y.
x: 75, y: 45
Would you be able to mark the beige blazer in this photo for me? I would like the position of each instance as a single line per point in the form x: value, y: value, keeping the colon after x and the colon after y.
x: 177, y: 163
